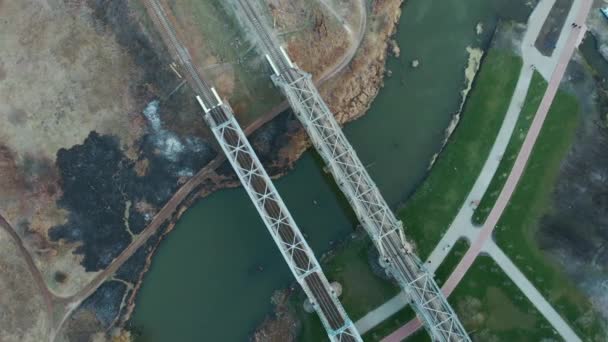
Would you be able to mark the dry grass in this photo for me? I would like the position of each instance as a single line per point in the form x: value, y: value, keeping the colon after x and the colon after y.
x: 60, y: 78
x: 22, y: 318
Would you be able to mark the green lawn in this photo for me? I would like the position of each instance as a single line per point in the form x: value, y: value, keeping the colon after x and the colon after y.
x: 535, y: 94
x: 436, y: 202
x: 517, y: 228
x: 362, y: 290
x: 451, y: 261
x: 492, y: 308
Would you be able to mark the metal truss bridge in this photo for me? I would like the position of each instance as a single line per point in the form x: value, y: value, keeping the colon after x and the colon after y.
x: 299, y: 256
x: 353, y: 179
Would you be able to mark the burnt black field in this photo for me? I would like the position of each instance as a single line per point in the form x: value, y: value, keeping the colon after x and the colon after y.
x: 98, y: 180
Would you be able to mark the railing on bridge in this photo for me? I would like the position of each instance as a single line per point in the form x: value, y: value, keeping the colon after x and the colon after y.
x: 278, y: 220
x: 353, y: 179
x: 288, y: 237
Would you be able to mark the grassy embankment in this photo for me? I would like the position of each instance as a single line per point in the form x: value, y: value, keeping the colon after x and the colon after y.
x: 428, y: 214
x: 517, y: 228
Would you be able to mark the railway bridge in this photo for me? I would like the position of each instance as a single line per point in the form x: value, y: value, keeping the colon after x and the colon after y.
x: 300, y: 258
x: 353, y: 179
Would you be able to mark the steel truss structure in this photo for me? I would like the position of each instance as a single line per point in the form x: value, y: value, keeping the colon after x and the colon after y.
x: 281, y: 225
x: 371, y: 208
x: 353, y: 179
x: 258, y: 185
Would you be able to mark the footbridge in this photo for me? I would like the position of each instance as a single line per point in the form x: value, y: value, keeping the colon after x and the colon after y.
x: 218, y: 115
x: 353, y: 179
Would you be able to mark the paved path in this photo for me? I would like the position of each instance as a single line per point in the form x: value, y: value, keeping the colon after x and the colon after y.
x: 378, y: 315
x: 574, y: 35
x: 37, y: 276
x: 546, y: 65
x: 530, y: 291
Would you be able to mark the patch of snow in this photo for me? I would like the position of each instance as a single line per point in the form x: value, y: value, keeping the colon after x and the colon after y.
x: 151, y: 113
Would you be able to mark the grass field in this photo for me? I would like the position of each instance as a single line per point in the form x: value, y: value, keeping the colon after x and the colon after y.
x: 492, y: 308
x: 436, y: 202
x: 517, y: 228
x: 449, y: 264
x: 489, y: 305
x: 533, y: 98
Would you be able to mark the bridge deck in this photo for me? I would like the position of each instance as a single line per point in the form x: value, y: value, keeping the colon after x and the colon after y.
x: 352, y: 177
x: 280, y: 224
x: 233, y: 141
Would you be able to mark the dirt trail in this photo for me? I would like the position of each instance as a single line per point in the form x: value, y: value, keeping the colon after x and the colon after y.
x: 40, y: 283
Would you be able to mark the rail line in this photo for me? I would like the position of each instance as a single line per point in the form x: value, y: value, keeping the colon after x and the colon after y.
x: 372, y: 210
x: 300, y: 258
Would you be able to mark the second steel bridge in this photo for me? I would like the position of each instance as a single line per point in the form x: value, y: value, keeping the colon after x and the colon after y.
x: 353, y: 179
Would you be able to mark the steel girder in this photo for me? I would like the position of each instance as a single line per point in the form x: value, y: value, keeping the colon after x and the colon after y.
x: 369, y: 205
x: 282, y: 227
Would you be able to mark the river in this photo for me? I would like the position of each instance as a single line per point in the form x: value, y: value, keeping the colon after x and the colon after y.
x: 198, y: 289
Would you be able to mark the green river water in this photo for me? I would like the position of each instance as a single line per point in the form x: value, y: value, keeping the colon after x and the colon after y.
x: 213, y: 276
